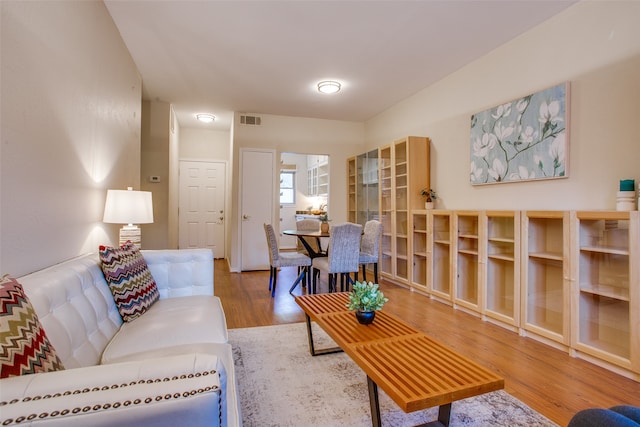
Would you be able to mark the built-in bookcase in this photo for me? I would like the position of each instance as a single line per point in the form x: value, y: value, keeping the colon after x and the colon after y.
x: 546, y: 279
x: 606, y: 312
x: 420, y: 255
x: 404, y: 171
x: 468, y: 254
x: 502, y: 280
x: 440, y: 250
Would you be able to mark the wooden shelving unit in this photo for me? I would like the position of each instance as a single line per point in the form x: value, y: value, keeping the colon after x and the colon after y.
x: 502, y: 286
x: 367, y: 191
x: 439, y: 253
x: 606, y: 296
x: 403, y: 172
x: 419, y: 250
x: 351, y: 190
x: 385, y: 173
x: 546, y: 276
x: 469, y: 255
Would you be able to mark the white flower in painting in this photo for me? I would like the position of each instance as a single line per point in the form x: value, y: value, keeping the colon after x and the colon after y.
x: 556, y: 149
x: 549, y: 112
x: 528, y: 135
x: 496, y: 170
x: 502, y: 111
x: 481, y: 146
x: 503, y: 132
x: 476, y: 173
x: 522, y: 173
x: 537, y: 160
x: 522, y: 104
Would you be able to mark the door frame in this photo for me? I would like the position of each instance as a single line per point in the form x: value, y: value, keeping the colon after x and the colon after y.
x: 239, y: 214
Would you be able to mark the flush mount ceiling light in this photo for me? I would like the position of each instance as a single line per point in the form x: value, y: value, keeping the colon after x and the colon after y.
x: 329, y: 86
x: 205, y: 118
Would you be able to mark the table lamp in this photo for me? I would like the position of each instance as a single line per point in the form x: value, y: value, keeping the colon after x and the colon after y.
x: 129, y: 207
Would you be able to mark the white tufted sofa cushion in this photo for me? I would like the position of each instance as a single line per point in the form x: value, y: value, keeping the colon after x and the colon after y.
x: 76, y: 309
x: 186, y: 272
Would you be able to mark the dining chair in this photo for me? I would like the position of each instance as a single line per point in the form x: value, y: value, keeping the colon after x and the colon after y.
x: 279, y: 259
x: 342, y: 255
x: 370, y: 248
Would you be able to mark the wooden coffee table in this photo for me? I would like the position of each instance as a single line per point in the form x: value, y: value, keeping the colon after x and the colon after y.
x: 415, y: 371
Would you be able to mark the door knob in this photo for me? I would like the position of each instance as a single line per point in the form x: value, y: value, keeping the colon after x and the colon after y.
x: 245, y: 216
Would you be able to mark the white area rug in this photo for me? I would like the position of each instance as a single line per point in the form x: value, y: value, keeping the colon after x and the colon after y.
x: 281, y: 384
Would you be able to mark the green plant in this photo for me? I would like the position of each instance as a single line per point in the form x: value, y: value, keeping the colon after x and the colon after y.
x: 324, y: 218
x: 429, y: 194
x: 366, y: 297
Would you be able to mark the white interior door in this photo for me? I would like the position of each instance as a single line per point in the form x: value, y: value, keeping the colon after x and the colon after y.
x: 257, y: 191
x: 201, y: 206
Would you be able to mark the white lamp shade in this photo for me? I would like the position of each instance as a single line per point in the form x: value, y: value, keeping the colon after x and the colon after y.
x: 128, y: 207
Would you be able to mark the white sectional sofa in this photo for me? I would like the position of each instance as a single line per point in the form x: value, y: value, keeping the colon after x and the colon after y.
x: 171, y: 366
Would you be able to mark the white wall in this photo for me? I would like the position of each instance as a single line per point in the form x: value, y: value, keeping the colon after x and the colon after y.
x: 70, y: 130
x: 196, y: 143
x: 156, y: 152
x: 595, y: 46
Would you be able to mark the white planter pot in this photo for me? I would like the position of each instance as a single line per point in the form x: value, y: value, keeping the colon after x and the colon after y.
x: 428, y: 205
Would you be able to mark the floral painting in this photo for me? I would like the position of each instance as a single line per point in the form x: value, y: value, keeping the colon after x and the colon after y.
x: 521, y: 140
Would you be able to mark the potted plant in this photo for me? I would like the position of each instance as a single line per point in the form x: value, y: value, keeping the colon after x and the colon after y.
x: 366, y: 298
x: 430, y: 197
x: 324, y: 223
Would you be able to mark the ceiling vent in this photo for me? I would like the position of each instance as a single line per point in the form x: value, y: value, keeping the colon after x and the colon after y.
x: 250, y: 120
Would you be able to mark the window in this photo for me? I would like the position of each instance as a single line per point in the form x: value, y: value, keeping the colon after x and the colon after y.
x: 287, y: 187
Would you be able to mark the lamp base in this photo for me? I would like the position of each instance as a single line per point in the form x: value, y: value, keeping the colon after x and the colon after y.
x: 132, y: 233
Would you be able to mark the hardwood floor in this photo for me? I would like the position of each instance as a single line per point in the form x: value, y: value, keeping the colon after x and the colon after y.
x: 548, y: 380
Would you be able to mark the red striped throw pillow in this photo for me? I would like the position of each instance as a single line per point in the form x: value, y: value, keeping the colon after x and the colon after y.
x: 133, y: 288
x: 24, y: 346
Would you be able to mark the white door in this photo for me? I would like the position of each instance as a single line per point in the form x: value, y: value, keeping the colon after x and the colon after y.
x: 201, y: 206
x: 257, y: 189
x: 287, y: 222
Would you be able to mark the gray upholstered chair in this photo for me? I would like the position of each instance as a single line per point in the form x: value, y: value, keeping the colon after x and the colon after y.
x: 370, y: 248
x: 342, y: 257
x: 279, y: 259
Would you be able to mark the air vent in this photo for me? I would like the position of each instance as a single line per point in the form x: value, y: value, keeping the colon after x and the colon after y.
x: 250, y: 120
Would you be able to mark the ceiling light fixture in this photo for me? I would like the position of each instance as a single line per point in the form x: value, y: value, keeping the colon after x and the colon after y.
x: 329, y: 86
x: 205, y: 118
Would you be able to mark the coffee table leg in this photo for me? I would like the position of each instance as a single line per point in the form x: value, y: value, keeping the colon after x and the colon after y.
x: 374, y: 402
x: 444, y: 414
x: 312, y: 349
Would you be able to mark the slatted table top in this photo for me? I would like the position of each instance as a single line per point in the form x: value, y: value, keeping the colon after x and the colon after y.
x: 414, y: 370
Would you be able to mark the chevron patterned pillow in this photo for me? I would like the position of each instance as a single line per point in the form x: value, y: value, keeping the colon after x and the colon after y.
x: 133, y: 288
x: 24, y: 346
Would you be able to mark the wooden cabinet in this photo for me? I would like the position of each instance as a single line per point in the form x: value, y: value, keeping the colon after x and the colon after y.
x: 546, y: 276
x: 469, y: 254
x: 606, y: 297
x: 502, y: 279
x: 351, y: 190
x: 570, y: 279
x: 318, y: 175
x: 367, y: 191
x: 403, y: 172
x: 419, y: 253
x: 385, y: 172
x: 439, y: 254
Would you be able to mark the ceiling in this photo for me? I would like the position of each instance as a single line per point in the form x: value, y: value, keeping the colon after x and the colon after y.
x: 265, y: 57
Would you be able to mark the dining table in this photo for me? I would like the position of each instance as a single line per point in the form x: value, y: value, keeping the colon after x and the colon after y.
x: 317, y: 234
